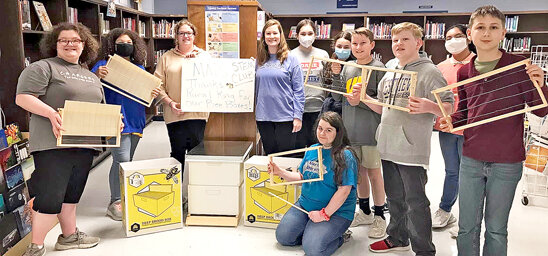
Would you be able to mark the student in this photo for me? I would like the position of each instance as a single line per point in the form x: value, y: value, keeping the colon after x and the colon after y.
x: 279, y: 91
x: 313, y: 97
x: 459, y: 46
x: 61, y: 173
x: 403, y: 141
x: 491, y: 165
x: 185, y: 129
x: 341, y: 51
x: 131, y: 47
x: 330, y: 202
x: 362, y: 123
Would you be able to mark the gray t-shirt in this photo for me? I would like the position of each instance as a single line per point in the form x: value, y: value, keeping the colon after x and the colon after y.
x: 313, y: 97
x: 360, y: 121
x: 53, y: 81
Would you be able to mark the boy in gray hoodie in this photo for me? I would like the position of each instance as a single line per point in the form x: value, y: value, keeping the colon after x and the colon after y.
x: 403, y: 140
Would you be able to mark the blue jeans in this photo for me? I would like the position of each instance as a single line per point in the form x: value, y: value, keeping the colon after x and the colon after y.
x: 322, y: 238
x: 128, y: 144
x: 492, y: 184
x: 451, y: 149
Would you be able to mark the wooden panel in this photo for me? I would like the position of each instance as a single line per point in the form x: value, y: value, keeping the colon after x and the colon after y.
x: 230, y: 126
x: 11, y: 63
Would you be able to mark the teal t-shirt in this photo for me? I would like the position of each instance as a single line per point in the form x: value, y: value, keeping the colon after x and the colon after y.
x: 316, y: 195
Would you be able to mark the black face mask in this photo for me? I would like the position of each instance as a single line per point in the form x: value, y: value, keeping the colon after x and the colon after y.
x: 124, y: 50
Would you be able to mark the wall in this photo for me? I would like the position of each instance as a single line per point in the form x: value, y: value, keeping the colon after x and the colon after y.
x: 171, y: 6
x: 392, y: 6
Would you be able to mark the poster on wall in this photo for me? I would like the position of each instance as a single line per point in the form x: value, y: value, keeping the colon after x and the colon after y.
x: 223, y: 31
x: 347, y: 3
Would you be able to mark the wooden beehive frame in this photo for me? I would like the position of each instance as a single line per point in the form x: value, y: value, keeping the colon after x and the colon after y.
x: 366, y: 74
x: 482, y: 76
x: 130, y: 80
x: 90, y: 119
x: 320, y: 166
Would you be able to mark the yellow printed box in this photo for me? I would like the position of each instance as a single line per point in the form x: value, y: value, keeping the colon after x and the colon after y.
x: 261, y: 208
x: 151, y: 196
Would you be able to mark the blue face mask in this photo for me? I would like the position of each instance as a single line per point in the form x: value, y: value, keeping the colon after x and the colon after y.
x: 342, y: 54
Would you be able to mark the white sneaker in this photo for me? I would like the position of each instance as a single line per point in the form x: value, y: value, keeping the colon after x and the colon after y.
x: 378, y: 229
x: 442, y: 219
x: 360, y: 218
x: 454, y: 231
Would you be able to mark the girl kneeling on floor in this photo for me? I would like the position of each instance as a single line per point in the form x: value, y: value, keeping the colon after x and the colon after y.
x: 331, y: 202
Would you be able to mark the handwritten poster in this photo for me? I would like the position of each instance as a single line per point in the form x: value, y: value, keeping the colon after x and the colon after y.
x: 218, y: 85
x: 223, y: 31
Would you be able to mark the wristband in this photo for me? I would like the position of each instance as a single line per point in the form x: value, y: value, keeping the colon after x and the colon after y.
x: 325, y: 216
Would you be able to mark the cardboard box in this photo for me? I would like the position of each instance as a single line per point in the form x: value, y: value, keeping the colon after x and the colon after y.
x: 261, y: 208
x: 151, y: 196
x: 9, y: 236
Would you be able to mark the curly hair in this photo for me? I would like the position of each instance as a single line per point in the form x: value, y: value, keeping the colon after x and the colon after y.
x: 109, y: 42
x: 283, y: 49
x: 48, y: 44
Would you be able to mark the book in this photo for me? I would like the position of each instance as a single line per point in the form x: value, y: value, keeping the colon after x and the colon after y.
x: 348, y: 26
x: 43, y: 16
x: 73, y: 15
x: 7, y: 159
x: 13, y: 134
x: 14, y: 176
x: 24, y: 220
x: 25, y: 14
x: 111, y: 8
x: 3, y: 139
x: 292, y: 32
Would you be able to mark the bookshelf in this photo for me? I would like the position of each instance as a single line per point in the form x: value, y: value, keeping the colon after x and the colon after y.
x: 533, y: 24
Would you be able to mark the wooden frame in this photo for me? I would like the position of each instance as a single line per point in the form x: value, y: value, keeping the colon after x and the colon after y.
x: 482, y: 76
x: 87, y: 119
x: 366, y: 74
x: 320, y: 165
x: 131, y: 81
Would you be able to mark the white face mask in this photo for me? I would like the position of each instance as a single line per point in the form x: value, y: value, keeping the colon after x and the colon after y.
x: 306, y: 41
x: 456, y: 45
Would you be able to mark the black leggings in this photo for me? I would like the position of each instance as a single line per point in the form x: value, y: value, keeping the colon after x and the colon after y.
x: 183, y: 136
x: 277, y: 136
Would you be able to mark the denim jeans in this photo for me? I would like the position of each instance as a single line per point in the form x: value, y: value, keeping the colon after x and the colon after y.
x: 451, y: 149
x: 493, y: 185
x: 322, y: 238
x: 128, y: 144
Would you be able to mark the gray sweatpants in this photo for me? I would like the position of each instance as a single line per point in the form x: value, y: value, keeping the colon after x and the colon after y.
x: 409, y: 208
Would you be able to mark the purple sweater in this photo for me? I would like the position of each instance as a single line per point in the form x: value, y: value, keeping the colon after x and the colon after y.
x: 279, y: 90
x: 500, y: 141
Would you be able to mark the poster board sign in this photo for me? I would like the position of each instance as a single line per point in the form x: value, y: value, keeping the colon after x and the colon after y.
x: 223, y: 31
x: 218, y: 85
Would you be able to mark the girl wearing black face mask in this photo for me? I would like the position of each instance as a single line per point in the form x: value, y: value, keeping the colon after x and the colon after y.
x: 130, y: 46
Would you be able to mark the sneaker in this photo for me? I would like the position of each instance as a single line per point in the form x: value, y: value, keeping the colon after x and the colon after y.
x: 346, y: 236
x: 385, y: 246
x: 378, y: 229
x: 360, y: 218
x: 114, y: 210
x: 78, y: 240
x: 33, y: 250
x: 442, y: 219
x: 454, y: 231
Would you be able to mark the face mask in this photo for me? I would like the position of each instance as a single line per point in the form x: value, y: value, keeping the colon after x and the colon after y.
x: 306, y: 41
x: 342, y: 54
x: 124, y: 50
x: 456, y: 45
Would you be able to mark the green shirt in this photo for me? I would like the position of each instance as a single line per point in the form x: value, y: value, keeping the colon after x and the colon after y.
x: 484, y: 67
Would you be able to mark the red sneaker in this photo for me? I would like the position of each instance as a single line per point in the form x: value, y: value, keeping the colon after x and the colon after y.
x: 385, y: 246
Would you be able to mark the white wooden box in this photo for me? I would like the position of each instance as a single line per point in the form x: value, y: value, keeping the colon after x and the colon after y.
x: 214, y: 172
x: 215, y: 200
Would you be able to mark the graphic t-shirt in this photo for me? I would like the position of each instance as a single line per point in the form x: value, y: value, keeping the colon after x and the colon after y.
x: 53, y: 81
x: 316, y: 195
x: 313, y: 97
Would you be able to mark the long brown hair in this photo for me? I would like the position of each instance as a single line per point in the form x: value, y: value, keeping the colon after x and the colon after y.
x: 48, y: 44
x: 283, y: 49
x: 338, y: 146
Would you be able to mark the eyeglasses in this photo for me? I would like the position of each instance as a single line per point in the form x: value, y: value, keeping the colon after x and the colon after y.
x: 185, y: 33
x: 69, y: 41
